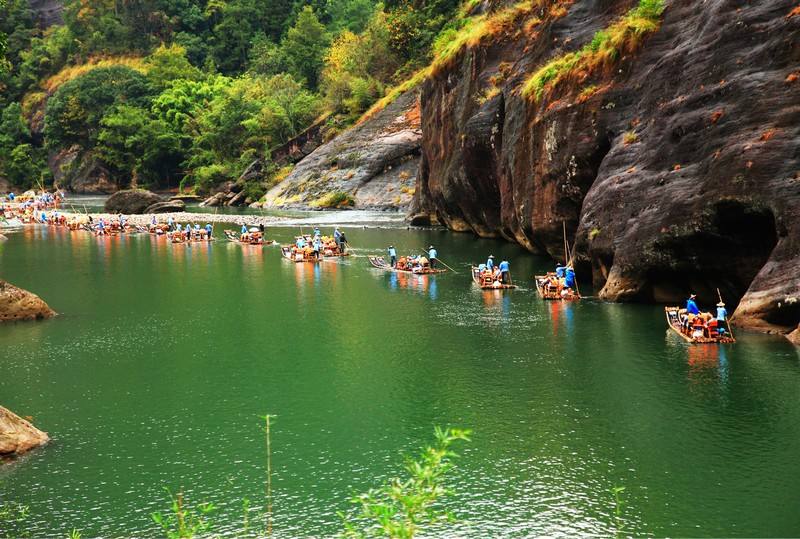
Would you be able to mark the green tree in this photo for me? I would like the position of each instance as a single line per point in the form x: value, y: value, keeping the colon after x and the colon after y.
x: 140, y: 147
x: 169, y: 63
x: 74, y: 112
x: 352, y: 15
x: 304, y: 47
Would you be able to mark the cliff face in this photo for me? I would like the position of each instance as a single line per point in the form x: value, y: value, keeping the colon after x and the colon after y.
x: 374, y: 164
x: 676, y: 168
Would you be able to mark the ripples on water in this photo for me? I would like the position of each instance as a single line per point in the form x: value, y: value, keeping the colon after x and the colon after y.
x: 164, y: 357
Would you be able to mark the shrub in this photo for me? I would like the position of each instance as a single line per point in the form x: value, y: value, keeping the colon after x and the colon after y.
x: 630, y: 137
x: 335, y: 199
x: 624, y: 35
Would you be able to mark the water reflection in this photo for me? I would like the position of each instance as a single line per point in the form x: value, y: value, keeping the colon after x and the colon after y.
x: 498, y: 302
x: 562, y: 316
x: 410, y: 281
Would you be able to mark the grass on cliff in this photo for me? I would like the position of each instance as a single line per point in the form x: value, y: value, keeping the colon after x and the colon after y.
x: 75, y: 71
x: 467, y: 32
x: 625, y: 35
x: 334, y: 199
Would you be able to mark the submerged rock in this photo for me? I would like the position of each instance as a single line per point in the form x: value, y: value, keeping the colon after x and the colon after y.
x: 18, y: 435
x: 131, y: 201
x: 19, y: 304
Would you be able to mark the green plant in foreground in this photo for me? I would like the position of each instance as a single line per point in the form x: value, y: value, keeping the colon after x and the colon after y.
x: 12, y: 519
x: 618, y: 503
x: 75, y: 533
x: 401, y: 507
x: 184, y: 521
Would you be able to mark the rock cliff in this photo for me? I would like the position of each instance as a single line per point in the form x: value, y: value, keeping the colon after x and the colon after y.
x: 19, y: 304
x: 370, y: 166
x: 675, y: 164
x: 17, y: 435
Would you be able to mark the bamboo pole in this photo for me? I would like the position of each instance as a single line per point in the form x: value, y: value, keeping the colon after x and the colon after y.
x: 425, y: 253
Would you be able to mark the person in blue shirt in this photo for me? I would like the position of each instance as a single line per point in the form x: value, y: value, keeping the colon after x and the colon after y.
x: 505, y: 272
x: 170, y: 223
x: 209, y: 229
x: 560, y: 271
x: 11, y: 196
x: 722, y: 317
x: 691, y: 306
x: 244, y: 229
x: 301, y: 243
x: 569, y: 277
x: 432, y: 256
x: 317, y: 246
x: 337, y: 237
x: 392, y: 255
x: 188, y: 231
x: 317, y: 233
x: 490, y: 262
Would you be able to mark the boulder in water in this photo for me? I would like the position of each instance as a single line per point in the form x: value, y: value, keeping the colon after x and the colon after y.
x: 18, y: 435
x: 169, y: 206
x: 131, y: 201
x: 19, y: 304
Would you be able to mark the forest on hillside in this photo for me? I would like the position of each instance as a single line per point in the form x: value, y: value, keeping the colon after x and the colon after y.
x: 167, y: 93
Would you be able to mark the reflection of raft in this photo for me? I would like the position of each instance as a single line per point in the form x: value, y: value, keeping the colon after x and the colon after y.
x: 380, y: 263
x: 488, y: 285
x: 674, y: 322
x: 234, y: 237
x: 546, y: 292
x: 286, y: 252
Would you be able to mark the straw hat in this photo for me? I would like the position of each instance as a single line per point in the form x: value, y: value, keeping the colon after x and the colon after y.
x: 692, y: 296
x: 721, y: 304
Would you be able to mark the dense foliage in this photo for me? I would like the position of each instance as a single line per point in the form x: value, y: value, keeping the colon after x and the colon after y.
x: 169, y: 92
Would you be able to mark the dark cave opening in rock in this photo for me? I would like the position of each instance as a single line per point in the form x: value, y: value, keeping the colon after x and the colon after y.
x: 723, y: 248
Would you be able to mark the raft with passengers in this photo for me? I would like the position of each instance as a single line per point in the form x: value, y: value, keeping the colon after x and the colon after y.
x: 698, y: 327
x: 416, y: 264
x: 252, y: 236
x: 316, y: 247
x: 489, y: 276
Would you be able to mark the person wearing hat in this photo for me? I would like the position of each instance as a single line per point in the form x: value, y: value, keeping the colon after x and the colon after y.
x: 490, y: 263
x: 691, y: 305
x: 393, y: 256
x: 560, y: 270
x: 722, y: 316
x: 432, y: 256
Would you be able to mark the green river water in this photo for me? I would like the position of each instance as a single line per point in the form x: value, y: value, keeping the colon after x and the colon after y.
x: 164, y: 357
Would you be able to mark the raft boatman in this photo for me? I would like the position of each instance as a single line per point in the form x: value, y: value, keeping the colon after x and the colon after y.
x: 490, y: 263
x: 337, y: 237
x: 432, y: 254
x: 569, y: 277
x: 209, y: 229
x: 560, y: 271
x: 392, y: 256
x: 505, y: 272
x: 722, y: 317
x: 691, y: 305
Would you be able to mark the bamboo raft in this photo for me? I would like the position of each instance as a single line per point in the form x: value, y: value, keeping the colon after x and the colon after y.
x: 546, y: 293
x: 236, y: 238
x: 476, y: 276
x: 286, y: 252
x: 380, y: 263
x: 674, y: 322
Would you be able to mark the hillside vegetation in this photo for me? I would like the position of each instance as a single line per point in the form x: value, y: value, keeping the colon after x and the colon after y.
x: 166, y: 93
